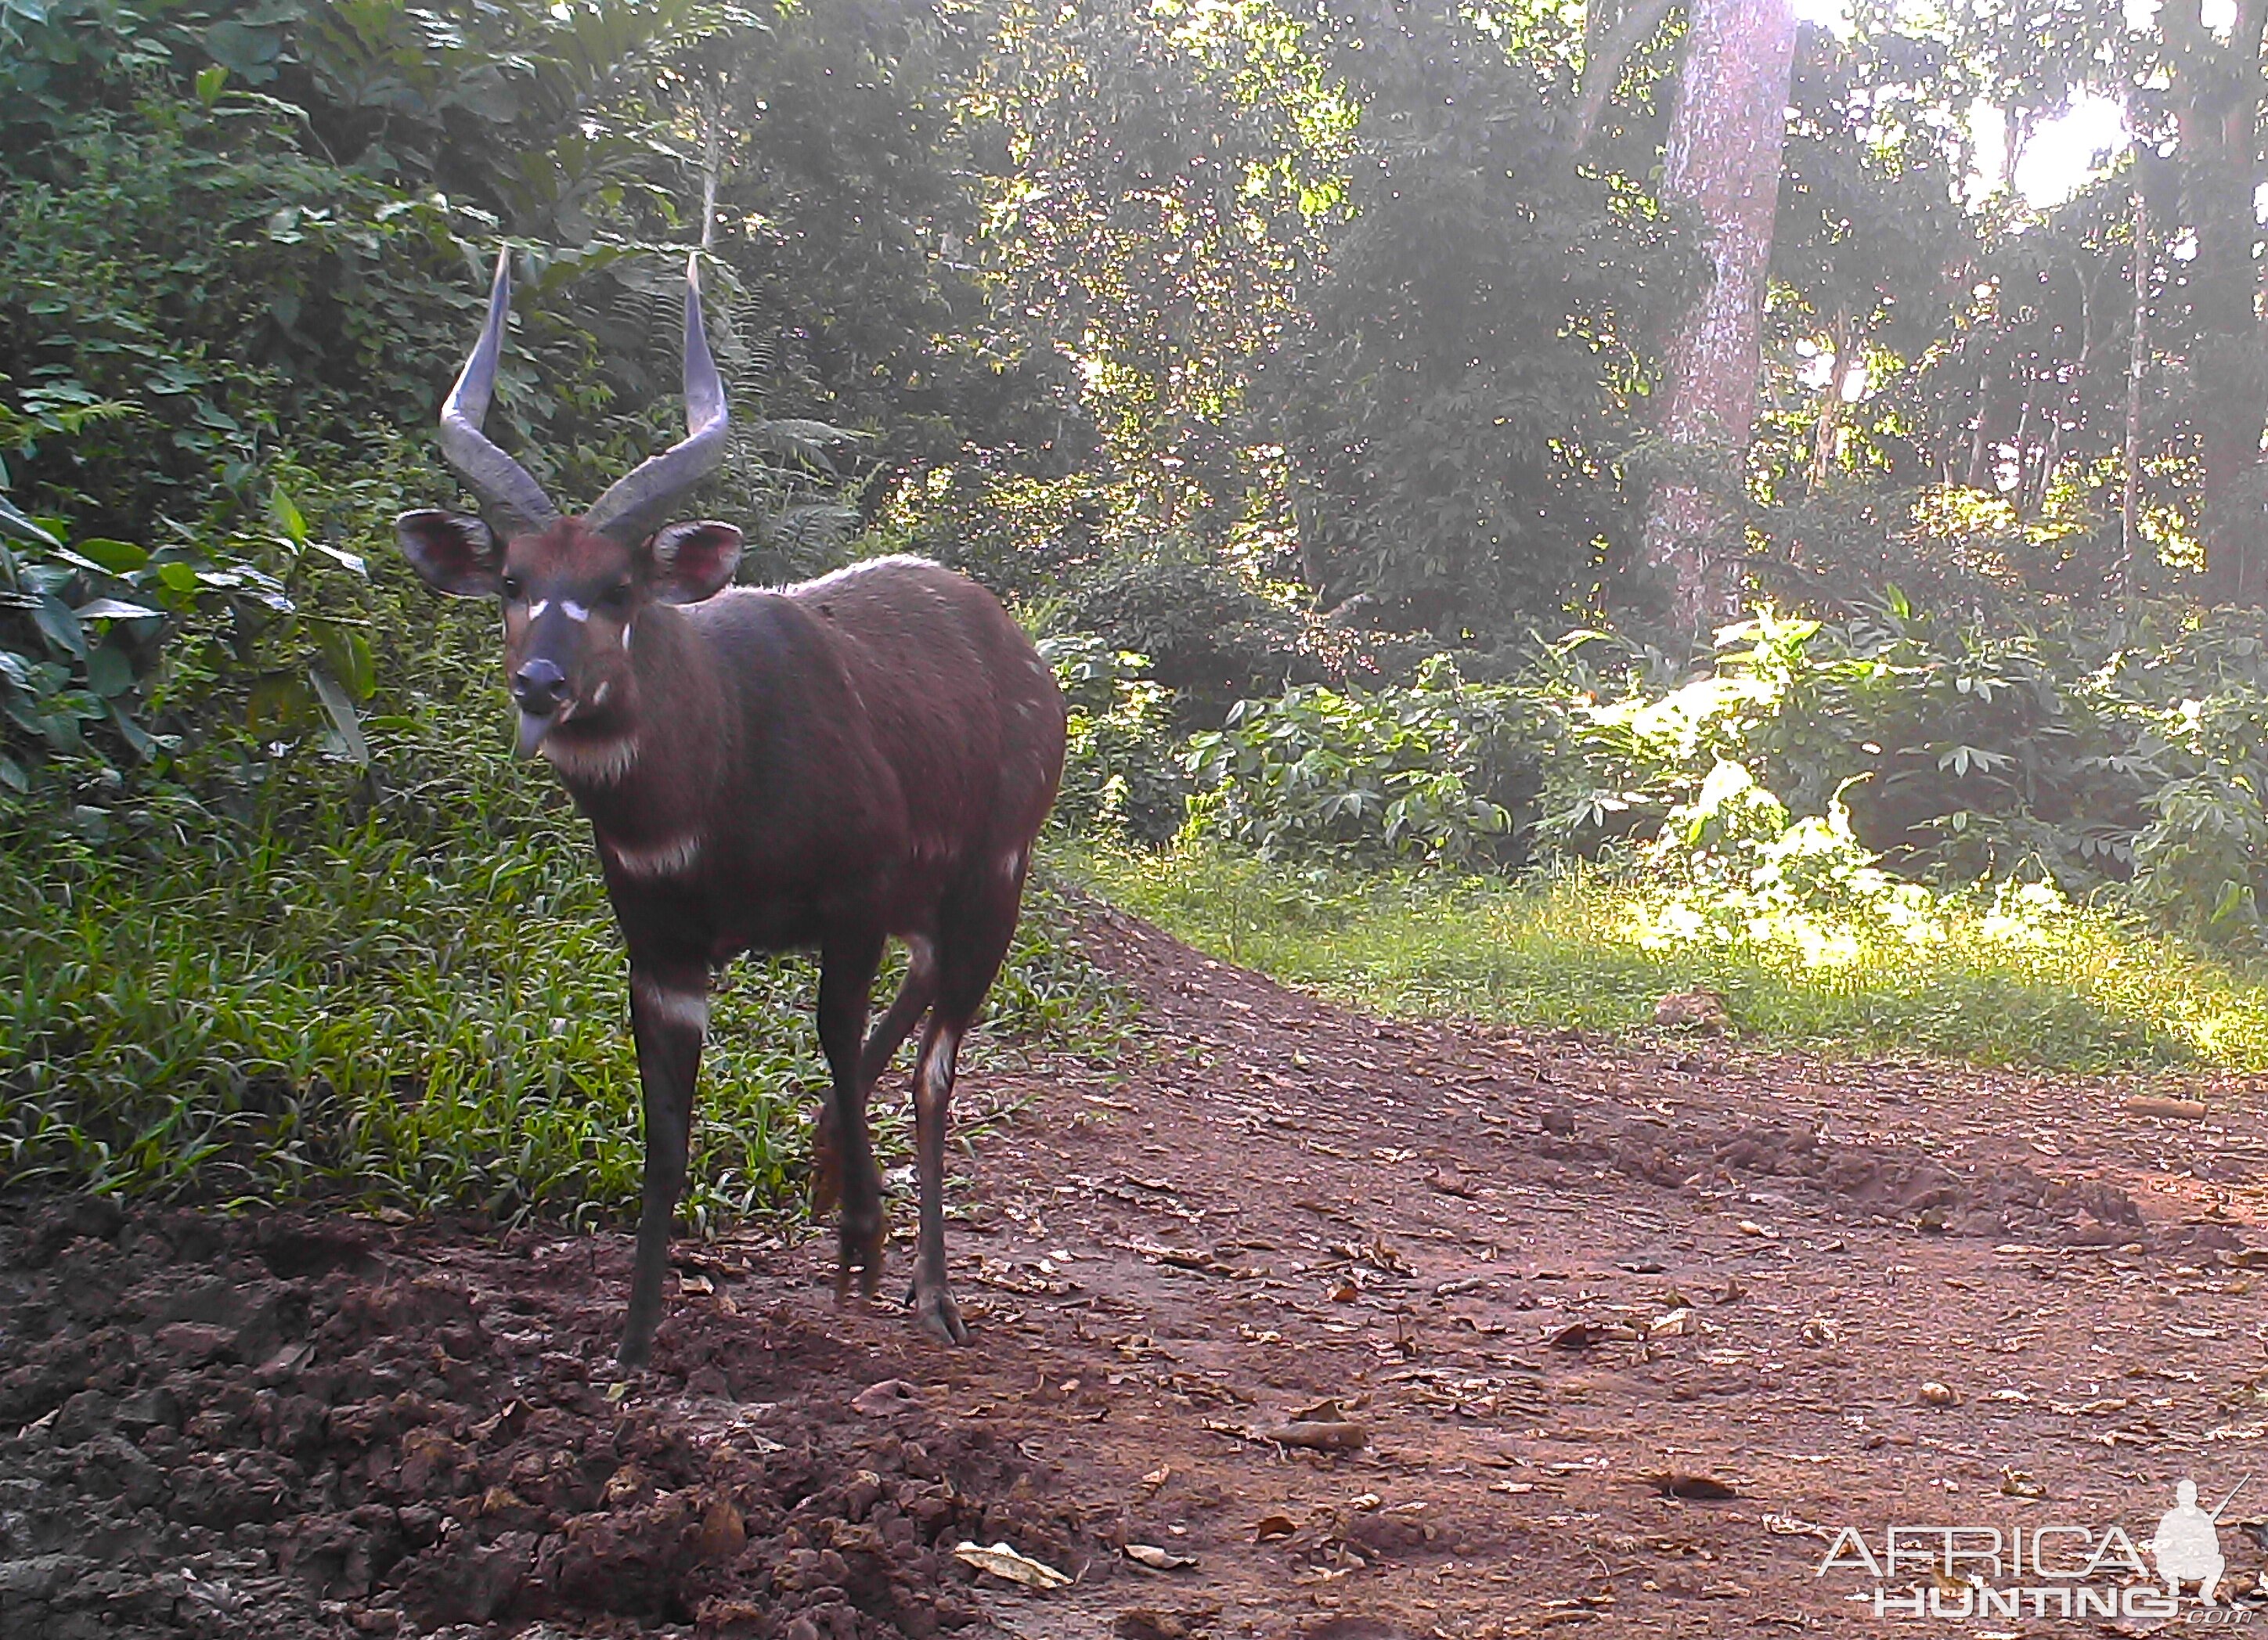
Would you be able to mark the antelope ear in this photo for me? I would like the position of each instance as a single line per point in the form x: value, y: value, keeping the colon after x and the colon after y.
x: 686, y: 563
x: 454, y: 554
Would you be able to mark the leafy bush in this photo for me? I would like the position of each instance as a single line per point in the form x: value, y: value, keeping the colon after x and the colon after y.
x: 1121, y: 777
x: 1210, y: 635
x: 1435, y: 771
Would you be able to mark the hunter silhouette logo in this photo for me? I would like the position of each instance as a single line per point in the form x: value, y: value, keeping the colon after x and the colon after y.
x: 2187, y: 1547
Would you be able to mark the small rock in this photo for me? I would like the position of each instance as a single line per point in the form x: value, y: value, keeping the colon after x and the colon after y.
x: 40, y: 1576
x: 892, y: 1394
x: 195, y: 1342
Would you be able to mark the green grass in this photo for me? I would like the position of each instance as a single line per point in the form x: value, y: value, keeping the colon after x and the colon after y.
x: 421, y: 1005
x: 2078, y: 990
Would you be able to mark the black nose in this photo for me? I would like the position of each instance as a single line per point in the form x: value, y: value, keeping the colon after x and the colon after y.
x: 539, y: 686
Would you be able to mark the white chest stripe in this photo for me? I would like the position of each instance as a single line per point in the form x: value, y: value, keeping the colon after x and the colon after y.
x: 573, y: 611
x: 665, y: 859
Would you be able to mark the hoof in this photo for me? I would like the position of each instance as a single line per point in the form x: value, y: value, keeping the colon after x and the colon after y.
x: 862, y: 1253
x: 936, y: 1314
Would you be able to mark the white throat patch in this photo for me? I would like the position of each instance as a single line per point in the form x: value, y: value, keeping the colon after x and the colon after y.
x: 600, y: 765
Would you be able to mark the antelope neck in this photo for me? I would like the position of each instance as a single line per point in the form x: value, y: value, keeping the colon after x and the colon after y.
x: 648, y: 785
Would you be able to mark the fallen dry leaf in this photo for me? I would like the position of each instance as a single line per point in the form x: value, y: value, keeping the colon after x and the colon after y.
x: 1793, y: 1527
x: 1933, y: 1393
x: 1268, y: 1528
x: 1158, y: 1559
x: 1003, y: 1562
x: 1700, y: 1488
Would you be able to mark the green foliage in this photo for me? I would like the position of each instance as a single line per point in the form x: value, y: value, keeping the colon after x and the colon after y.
x: 1434, y: 771
x: 111, y: 652
x: 1122, y: 777
x: 1211, y: 633
x: 2016, y: 979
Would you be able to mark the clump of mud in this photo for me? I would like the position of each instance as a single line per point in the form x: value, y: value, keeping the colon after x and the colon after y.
x: 299, y: 1426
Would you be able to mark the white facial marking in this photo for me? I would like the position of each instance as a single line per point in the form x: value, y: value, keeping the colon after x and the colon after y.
x: 573, y: 611
x: 538, y: 608
x: 599, y: 695
x: 686, y: 1010
x: 626, y: 637
x: 672, y: 858
x: 597, y: 765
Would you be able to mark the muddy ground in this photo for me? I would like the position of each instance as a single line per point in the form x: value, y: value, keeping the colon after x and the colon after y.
x: 1609, y: 1336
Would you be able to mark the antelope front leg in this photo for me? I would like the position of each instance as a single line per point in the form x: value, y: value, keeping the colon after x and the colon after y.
x: 932, y: 1301
x: 669, y: 1017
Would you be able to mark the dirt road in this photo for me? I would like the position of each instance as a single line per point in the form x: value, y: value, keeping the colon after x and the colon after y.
x: 1347, y: 1329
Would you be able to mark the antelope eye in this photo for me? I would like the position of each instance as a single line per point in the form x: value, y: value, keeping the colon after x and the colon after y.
x: 617, y: 595
x: 513, y: 587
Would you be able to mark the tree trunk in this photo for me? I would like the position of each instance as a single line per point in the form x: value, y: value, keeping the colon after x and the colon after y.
x: 1722, y: 161
x: 2216, y: 96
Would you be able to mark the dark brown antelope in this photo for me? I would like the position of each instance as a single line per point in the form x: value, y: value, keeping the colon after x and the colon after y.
x: 826, y: 765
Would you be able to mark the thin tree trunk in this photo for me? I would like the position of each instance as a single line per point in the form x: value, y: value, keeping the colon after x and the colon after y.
x: 1827, y: 426
x: 1979, y: 475
x: 2138, y: 358
x: 2024, y: 454
x: 2074, y: 403
x: 1722, y: 162
x: 1609, y: 40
